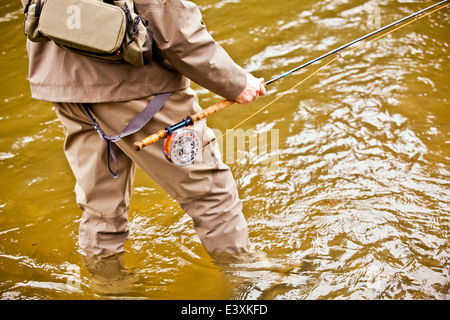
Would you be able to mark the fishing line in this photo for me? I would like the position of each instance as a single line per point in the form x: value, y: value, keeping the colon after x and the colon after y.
x: 273, y: 101
x: 414, y: 15
x: 417, y: 15
x: 181, y: 145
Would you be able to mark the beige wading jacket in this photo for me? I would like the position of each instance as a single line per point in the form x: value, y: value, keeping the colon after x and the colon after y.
x: 186, y: 50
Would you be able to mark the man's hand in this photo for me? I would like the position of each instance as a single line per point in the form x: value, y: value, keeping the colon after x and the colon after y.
x: 254, y: 89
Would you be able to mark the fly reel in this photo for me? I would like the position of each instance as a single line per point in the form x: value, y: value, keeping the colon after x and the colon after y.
x: 181, y: 147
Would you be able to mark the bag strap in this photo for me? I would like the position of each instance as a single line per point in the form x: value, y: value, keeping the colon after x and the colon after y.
x: 37, y: 13
x: 135, y: 125
x: 37, y: 10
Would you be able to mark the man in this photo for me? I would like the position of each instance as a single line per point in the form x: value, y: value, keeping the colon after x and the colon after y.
x: 116, y: 93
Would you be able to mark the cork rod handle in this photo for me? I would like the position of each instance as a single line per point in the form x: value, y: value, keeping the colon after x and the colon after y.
x: 161, y: 134
x: 212, y: 109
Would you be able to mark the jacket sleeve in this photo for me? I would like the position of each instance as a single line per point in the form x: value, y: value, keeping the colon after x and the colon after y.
x: 184, y: 41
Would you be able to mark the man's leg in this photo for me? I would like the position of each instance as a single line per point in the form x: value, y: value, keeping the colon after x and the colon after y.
x: 206, y: 191
x: 103, y: 200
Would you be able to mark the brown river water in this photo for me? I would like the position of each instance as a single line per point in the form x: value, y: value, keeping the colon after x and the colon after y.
x: 347, y: 194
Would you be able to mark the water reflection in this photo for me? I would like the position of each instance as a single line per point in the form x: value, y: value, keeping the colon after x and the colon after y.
x: 358, y: 207
x: 110, y: 277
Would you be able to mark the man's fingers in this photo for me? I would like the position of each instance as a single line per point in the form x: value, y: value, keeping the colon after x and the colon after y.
x: 254, y: 89
x: 262, y: 89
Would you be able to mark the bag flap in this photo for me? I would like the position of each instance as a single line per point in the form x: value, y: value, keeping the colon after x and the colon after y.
x: 84, y: 24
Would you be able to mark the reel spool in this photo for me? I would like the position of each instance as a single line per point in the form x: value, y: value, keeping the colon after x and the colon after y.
x: 181, y: 147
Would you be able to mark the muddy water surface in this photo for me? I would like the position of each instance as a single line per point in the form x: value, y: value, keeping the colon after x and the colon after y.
x: 350, y: 200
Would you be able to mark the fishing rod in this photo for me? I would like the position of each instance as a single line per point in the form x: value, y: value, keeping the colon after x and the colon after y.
x: 188, y: 142
x: 355, y: 41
